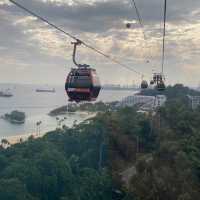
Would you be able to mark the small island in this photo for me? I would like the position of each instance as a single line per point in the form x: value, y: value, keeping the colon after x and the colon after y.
x: 15, y: 117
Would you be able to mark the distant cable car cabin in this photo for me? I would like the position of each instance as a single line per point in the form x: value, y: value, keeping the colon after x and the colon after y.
x: 128, y: 25
x: 161, y: 86
x: 82, y: 83
x: 151, y: 82
x: 158, y: 79
x: 144, y: 85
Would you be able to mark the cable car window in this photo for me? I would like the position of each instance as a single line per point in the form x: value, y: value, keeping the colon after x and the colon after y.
x: 79, y: 81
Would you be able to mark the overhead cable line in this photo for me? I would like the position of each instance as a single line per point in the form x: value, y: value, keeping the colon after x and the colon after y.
x: 164, y: 35
x: 75, y: 38
x: 139, y: 18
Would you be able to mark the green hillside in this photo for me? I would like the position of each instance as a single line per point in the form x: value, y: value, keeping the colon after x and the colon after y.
x: 116, y: 155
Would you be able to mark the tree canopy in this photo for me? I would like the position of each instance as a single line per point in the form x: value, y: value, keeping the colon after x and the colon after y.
x: 119, y: 154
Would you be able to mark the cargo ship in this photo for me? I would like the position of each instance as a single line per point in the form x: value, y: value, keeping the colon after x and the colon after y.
x: 6, y: 93
x: 46, y: 90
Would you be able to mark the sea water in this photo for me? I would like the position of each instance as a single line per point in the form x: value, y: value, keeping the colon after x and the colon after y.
x: 37, y: 106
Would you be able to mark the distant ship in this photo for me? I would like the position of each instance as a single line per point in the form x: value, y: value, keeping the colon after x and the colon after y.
x: 6, y: 93
x: 46, y: 90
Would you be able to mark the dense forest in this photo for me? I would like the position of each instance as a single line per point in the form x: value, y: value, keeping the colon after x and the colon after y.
x: 119, y: 154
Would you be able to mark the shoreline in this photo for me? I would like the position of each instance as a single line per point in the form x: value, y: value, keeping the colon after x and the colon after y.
x: 22, y: 138
x: 15, y: 139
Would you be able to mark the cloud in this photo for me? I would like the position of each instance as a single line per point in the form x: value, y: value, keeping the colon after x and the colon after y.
x: 25, y: 21
x: 4, y: 2
x: 102, y: 24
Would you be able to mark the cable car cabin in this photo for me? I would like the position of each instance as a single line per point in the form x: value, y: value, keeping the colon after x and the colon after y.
x: 144, y: 85
x: 158, y: 77
x: 128, y: 25
x: 152, y: 82
x: 82, y: 84
x: 161, y: 86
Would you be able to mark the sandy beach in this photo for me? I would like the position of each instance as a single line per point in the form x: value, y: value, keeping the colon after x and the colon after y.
x: 24, y: 137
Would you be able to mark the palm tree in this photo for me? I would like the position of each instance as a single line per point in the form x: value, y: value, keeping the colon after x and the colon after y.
x: 21, y: 140
x: 38, y: 124
x: 4, y: 142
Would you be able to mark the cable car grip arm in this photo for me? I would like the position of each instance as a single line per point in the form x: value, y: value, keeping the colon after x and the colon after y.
x: 78, y: 42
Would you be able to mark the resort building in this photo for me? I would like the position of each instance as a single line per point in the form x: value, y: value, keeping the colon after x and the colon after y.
x: 195, y: 101
x: 144, y: 102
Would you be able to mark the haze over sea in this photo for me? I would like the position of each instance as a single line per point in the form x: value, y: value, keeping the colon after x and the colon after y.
x: 38, y: 105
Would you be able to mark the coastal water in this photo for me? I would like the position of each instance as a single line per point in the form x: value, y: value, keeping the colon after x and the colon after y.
x: 37, y: 106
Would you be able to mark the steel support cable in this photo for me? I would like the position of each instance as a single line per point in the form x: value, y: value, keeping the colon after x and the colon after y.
x: 75, y: 38
x: 142, y: 28
x: 164, y: 35
x: 139, y: 17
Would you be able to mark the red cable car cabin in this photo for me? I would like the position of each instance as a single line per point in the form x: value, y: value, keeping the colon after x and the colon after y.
x: 82, y: 84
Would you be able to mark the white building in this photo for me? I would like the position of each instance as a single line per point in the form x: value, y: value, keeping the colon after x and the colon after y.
x: 146, y: 102
x: 195, y: 101
x: 160, y: 100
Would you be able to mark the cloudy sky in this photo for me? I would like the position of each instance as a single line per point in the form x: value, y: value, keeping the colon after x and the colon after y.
x: 33, y: 52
